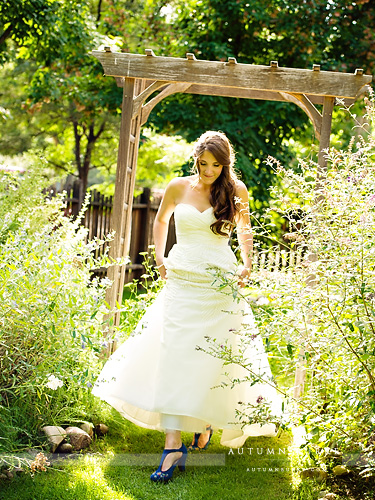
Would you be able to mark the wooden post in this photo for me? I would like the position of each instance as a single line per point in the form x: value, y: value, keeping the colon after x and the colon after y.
x: 123, y: 199
x: 145, y: 219
x: 328, y: 104
x: 325, y: 134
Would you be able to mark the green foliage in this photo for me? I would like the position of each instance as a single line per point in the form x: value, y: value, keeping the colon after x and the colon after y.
x: 322, y: 312
x: 250, y: 125
x: 295, y: 33
x: 51, y: 314
x: 160, y: 159
x: 65, y: 88
x: 66, y: 108
x: 43, y: 29
x: 139, y: 294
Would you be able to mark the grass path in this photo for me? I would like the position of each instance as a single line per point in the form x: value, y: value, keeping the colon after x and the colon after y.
x: 104, y: 473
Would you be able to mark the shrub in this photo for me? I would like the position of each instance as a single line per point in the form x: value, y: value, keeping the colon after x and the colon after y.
x: 51, y: 312
x: 323, y: 311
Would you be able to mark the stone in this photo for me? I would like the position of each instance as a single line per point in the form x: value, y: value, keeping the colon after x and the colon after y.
x: 55, y: 435
x: 89, y: 428
x: 79, y: 439
x: 318, y: 474
x: 340, y: 470
x: 9, y: 474
x: 330, y: 496
x: 65, y: 448
x: 101, y: 429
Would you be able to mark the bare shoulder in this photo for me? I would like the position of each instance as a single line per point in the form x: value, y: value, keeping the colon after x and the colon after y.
x: 177, y: 187
x: 179, y: 182
x: 241, y: 190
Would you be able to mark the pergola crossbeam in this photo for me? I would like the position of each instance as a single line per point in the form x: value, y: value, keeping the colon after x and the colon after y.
x: 245, y: 76
x: 263, y: 95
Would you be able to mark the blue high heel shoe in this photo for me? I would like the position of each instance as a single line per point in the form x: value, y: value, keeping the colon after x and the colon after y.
x: 164, y: 476
x: 194, y: 444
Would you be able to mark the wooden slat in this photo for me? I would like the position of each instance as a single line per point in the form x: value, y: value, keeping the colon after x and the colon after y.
x: 262, y: 260
x: 292, y: 259
x: 262, y: 95
x: 255, y: 260
x: 277, y: 261
x: 170, y: 89
x: 304, y: 103
x: 270, y: 261
x: 121, y: 184
x: 293, y: 80
x: 283, y: 260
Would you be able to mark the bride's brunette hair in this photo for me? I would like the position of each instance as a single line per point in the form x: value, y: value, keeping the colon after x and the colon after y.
x: 223, y: 190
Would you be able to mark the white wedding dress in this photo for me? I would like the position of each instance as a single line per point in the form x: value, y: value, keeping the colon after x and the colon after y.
x: 158, y: 379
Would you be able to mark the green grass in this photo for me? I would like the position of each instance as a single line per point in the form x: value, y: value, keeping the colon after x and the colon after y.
x: 97, y: 475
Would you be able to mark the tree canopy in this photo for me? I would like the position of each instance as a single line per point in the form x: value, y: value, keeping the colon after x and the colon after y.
x: 62, y: 104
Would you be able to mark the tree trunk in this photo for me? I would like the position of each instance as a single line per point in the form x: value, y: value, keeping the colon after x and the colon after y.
x: 83, y: 164
x: 6, y: 34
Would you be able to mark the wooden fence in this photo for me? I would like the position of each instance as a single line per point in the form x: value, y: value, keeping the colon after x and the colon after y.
x: 277, y: 260
x: 97, y: 219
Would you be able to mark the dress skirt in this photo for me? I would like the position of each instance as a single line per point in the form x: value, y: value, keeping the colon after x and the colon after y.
x: 167, y: 375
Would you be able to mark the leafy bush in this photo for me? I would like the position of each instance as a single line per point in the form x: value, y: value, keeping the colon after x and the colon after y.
x: 51, y: 312
x: 139, y: 294
x: 323, y: 311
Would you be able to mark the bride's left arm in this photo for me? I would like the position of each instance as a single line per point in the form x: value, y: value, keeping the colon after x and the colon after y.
x: 244, y: 232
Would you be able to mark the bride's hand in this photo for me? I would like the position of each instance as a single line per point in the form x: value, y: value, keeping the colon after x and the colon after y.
x: 243, y: 277
x: 162, y: 271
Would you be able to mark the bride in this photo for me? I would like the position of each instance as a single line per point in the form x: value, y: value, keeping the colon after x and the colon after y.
x: 163, y: 376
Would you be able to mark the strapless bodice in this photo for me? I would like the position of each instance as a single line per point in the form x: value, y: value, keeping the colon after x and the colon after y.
x: 193, y: 226
x: 197, y: 249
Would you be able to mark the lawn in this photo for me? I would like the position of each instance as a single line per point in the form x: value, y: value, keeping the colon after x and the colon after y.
x: 118, y: 466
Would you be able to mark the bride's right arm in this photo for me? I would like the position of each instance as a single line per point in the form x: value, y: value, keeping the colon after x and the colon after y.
x: 161, y: 222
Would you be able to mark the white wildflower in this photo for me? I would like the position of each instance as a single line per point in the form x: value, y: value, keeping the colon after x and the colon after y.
x: 54, y: 382
x: 262, y: 301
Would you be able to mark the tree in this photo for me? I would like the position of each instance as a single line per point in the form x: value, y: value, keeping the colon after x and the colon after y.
x: 43, y: 30
x: 217, y: 30
x: 72, y: 105
x: 67, y: 90
x: 295, y: 33
x: 75, y: 109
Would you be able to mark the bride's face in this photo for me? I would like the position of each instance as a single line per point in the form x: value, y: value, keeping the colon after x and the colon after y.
x: 209, y: 168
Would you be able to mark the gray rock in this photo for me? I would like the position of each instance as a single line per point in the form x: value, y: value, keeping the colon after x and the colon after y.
x: 55, y: 435
x: 101, y: 429
x: 65, y: 448
x: 314, y: 473
x: 79, y: 439
x: 89, y: 428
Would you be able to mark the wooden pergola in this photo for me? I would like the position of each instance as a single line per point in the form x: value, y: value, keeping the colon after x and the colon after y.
x: 143, y: 75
